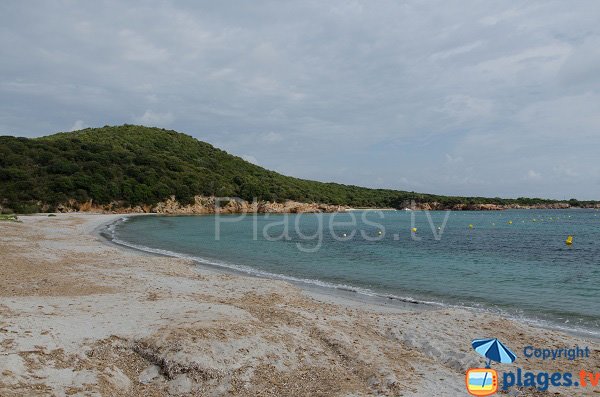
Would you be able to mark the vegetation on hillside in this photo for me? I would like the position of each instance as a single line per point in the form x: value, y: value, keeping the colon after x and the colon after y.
x: 9, y: 218
x: 136, y: 165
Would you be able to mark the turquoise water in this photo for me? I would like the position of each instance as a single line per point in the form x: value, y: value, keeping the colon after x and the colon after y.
x: 522, y: 269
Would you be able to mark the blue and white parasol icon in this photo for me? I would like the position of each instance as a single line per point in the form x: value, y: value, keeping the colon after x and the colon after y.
x: 493, y: 350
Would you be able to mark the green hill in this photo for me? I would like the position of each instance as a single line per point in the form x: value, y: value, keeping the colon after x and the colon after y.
x: 137, y: 165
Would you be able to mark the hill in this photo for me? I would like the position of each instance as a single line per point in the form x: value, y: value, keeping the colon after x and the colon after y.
x: 136, y: 165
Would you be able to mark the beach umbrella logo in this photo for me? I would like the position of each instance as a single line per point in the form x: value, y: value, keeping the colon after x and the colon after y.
x: 484, y: 381
x: 493, y: 350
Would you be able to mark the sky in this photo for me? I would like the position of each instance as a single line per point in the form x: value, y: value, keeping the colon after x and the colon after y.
x: 489, y: 98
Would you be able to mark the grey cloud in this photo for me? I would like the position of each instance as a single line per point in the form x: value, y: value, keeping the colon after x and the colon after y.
x: 155, y: 118
x: 372, y: 93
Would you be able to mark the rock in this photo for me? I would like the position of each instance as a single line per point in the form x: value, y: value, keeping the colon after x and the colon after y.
x: 180, y: 385
x: 149, y: 374
x: 211, y: 205
x: 117, y: 378
x: 207, y: 205
x: 489, y: 207
x: 390, y: 381
x: 203, y: 205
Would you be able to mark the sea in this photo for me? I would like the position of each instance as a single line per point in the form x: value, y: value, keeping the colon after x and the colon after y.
x: 515, y: 262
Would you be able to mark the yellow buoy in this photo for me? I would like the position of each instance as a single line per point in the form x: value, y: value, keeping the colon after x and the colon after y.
x: 470, y: 226
x: 569, y: 240
x: 379, y: 232
x: 510, y: 222
x: 414, y: 229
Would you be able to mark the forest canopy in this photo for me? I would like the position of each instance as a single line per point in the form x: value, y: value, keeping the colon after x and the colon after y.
x: 136, y: 165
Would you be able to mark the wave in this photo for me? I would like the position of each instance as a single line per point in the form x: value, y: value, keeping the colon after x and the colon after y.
x: 112, y: 236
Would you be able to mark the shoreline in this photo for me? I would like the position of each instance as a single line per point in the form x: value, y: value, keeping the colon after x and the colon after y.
x: 189, y: 211
x: 83, y: 316
x: 344, y: 294
x: 317, y: 290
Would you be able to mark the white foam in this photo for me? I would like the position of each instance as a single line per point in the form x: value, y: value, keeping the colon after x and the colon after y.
x: 256, y: 272
x: 344, y: 287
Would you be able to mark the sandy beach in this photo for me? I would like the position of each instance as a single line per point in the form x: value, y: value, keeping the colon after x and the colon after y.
x: 81, y: 316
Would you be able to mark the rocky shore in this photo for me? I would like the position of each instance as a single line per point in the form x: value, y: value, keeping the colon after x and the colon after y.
x: 205, y: 205
x: 231, y: 205
x: 435, y: 206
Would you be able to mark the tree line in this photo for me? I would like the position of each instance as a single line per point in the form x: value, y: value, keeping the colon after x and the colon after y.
x: 136, y: 165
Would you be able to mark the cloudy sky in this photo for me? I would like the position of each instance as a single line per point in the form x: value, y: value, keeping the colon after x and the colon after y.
x: 453, y: 97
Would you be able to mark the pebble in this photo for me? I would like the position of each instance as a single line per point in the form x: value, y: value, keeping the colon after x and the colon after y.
x: 149, y: 374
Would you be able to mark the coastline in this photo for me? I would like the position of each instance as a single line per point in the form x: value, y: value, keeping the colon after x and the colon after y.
x: 342, y: 293
x: 337, y: 293
x: 81, y: 315
x: 203, y: 205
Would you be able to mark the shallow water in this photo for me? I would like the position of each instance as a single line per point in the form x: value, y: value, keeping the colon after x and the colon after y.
x: 523, y: 269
